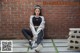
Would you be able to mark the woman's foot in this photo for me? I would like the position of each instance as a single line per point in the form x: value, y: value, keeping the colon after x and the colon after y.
x: 30, y: 43
x: 36, y: 51
x: 38, y: 48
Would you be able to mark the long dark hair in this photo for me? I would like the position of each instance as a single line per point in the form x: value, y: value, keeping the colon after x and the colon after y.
x: 38, y: 7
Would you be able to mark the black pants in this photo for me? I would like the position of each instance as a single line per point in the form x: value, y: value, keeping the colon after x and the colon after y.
x: 28, y: 35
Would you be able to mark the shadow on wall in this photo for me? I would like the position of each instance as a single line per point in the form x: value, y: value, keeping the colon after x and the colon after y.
x: 0, y: 4
x: 76, y: 0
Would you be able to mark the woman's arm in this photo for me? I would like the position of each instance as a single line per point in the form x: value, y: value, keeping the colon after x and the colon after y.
x: 42, y: 25
x: 32, y: 26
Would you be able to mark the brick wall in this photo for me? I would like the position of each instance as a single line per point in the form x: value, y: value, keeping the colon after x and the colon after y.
x: 60, y: 15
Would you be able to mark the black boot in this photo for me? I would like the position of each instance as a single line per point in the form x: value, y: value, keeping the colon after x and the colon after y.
x: 30, y: 43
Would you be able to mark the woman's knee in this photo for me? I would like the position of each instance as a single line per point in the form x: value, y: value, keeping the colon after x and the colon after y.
x: 23, y: 30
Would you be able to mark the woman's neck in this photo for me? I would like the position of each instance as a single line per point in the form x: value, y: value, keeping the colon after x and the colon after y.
x: 36, y: 16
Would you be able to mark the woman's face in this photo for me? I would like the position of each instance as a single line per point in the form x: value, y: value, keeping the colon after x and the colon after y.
x: 37, y: 12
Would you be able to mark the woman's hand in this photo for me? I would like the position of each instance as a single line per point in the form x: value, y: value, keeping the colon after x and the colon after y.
x: 35, y: 37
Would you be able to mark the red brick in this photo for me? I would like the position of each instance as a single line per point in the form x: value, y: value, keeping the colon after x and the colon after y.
x: 14, y: 16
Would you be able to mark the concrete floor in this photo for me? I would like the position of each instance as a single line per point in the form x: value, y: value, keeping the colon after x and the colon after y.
x: 59, y: 46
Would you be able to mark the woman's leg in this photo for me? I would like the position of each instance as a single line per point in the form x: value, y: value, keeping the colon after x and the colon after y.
x: 27, y: 33
x: 40, y: 37
x: 39, y: 41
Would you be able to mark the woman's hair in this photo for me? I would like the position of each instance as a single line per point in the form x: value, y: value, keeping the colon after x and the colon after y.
x: 37, y: 7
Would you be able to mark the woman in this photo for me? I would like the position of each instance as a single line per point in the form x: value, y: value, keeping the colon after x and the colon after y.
x: 36, y: 32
